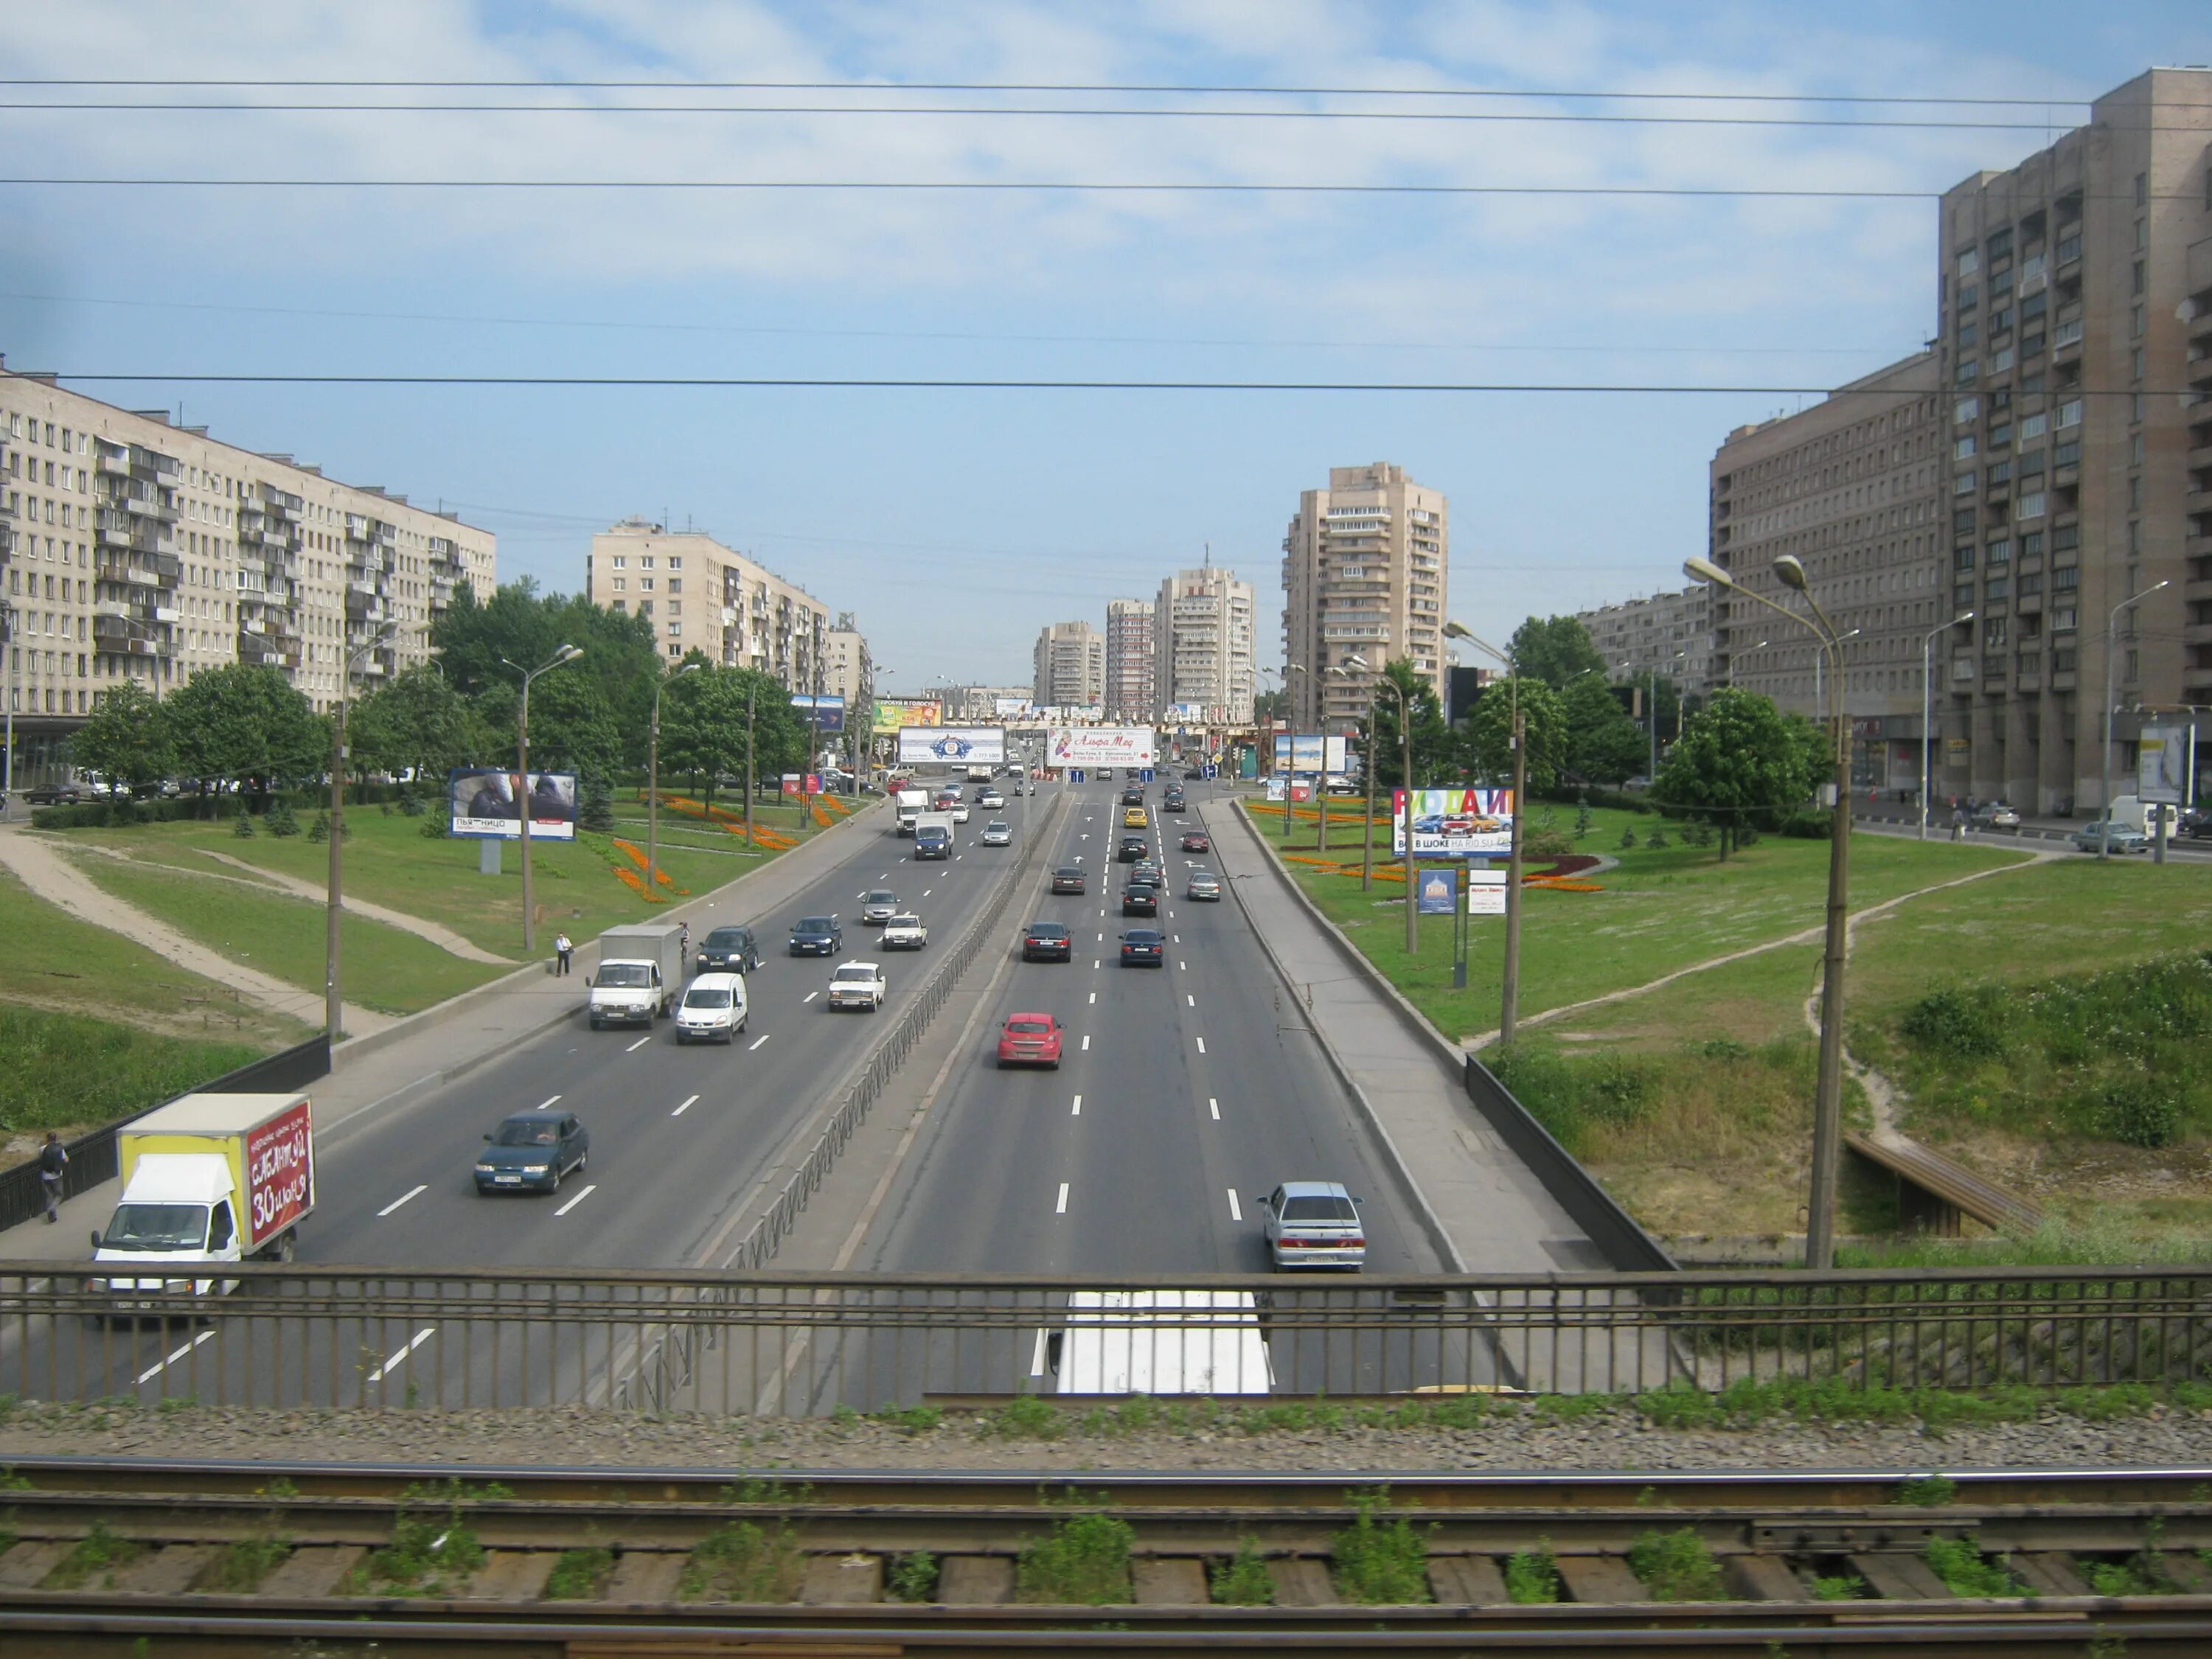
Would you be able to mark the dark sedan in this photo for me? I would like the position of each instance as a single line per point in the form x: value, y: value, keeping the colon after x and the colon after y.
x: 1144, y: 947
x: 1131, y: 849
x: 1047, y: 941
x: 1140, y: 901
x: 817, y: 936
x: 1174, y: 800
x: 1068, y: 878
x: 1194, y: 841
x: 532, y: 1150
x: 729, y: 951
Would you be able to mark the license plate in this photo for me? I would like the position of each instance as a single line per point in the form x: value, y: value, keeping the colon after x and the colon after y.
x: 507, y: 1181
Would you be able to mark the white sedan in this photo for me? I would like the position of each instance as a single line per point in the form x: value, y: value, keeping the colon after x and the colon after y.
x: 905, y: 933
x: 857, y: 985
x: 959, y: 810
x: 991, y: 801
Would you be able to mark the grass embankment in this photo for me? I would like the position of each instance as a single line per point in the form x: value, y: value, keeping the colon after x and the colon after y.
x: 65, y: 1059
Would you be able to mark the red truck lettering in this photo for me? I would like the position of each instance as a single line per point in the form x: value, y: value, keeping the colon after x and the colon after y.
x: 279, y: 1172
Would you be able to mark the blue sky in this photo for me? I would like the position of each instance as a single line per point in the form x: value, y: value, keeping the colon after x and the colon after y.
x: 957, y: 523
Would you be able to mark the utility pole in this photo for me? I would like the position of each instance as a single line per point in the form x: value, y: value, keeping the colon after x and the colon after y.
x: 566, y: 654
x: 753, y: 689
x: 2112, y: 641
x: 652, y: 785
x: 334, y: 895
x: 1508, y: 992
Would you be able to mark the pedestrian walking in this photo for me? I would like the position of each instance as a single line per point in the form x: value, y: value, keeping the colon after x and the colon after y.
x: 53, y: 1158
x: 1957, y: 823
x: 562, y: 950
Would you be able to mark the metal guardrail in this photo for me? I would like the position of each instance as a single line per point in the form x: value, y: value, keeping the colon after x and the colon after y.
x: 93, y: 1156
x: 809, y: 1343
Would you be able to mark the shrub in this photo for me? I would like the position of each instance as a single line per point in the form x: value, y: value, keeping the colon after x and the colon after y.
x: 242, y: 826
x: 1657, y: 840
x: 2141, y: 1113
x: 1965, y: 1022
x: 1966, y: 1570
x: 1380, y: 1564
x: 283, y: 822
x: 1085, y: 1560
x: 1628, y: 839
x: 1676, y: 1566
x: 1532, y: 1576
x: 1548, y: 844
x: 411, y: 805
x: 1242, y: 1580
x: 743, y: 1561
x: 913, y: 1578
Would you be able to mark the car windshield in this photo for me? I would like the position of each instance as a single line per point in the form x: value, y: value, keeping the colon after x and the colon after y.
x: 707, y: 996
x: 1029, y: 1027
x: 524, y: 1132
x: 1069, y: 872
x: 625, y: 974
x: 998, y: 824
x: 812, y: 925
x: 156, y: 1227
x: 1326, y: 1208
x: 725, y: 939
x: 883, y: 896
x: 851, y: 973
x: 1139, y: 936
x: 905, y: 921
x: 1048, y: 930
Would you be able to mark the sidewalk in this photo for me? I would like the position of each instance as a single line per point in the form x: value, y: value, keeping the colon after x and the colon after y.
x: 1490, y: 1212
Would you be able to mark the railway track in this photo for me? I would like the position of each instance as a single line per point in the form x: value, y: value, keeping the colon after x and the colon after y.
x: 122, y: 1555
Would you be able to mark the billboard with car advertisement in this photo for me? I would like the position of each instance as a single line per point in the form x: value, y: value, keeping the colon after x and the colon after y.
x: 827, y: 713
x: 1098, y: 745
x: 1308, y: 751
x: 482, y: 802
x: 893, y: 716
x: 963, y: 745
x: 1452, y: 824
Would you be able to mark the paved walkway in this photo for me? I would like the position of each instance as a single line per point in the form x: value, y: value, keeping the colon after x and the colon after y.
x: 43, y: 869
x: 444, y: 938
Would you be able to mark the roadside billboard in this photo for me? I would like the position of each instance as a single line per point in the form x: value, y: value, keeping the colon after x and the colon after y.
x: 1436, y: 891
x: 968, y: 745
x: 1308, y: 751
x: 892, y: 716
x: 2162, y: 764
x: 1098, y: 745
x: 1187, y: 713
x: 481, y: 801
x: 1453, y: 824
x: 802, y: 783
x: 1013, y: 708
x: 826, y: 712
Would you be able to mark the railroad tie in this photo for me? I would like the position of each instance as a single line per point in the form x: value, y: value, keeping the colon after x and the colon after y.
x: 2049, y: 1573
x: 311, y: 1572
x: 975, y: 1580
x: 1764, y: 1579
x: 645, y: 1577
x: 842, y: 1580
x: 1303, y: 1582
x: 1466, y: 1581
x: 512, y: 1576
x: 25, y: 1566
x: 1901, y: 1577
x: 2186, y: 1569
x: 1170, y: 1581
x: 167, y: 1571
x: 1600, y: 1578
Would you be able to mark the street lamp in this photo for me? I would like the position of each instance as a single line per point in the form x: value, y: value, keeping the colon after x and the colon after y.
x: 2111, y: 631
x: 1291, y: 777
x: 1343, y: 671
x: 566, y: 654
x: 334, y: 897
x: 1928, y: 709
x: 1509, y: 995
x: 1828, y: 1091
x: 7, y: 762
x: 653, y: 781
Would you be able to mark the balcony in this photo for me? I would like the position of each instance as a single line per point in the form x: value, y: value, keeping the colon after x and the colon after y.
x: 2200, y: 370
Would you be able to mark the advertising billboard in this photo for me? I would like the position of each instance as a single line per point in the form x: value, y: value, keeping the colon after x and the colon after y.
x: 895, y: 716
x: 828, y: 713
x: 2162, y: 764
x: 1435, y: 890
x: 482, y: 802
x: 967, y: 745
x: 1012, y: 708
x: 1308, y: 751
x: 1187, y: 713
x: 1453, y: 824
x: 1098, y: 745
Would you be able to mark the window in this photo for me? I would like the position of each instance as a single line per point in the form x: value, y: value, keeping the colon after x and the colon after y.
x: 1970, y: 335
x: 2030, y: 586
x: 2001, y: 436
x: 2066, y: 454
x: 1966, y: 373
x: 1965, y: 409
x: 2066, y: 580
x: 2142, y: 189
x: 1993, y: 631
x: 1969, y: 296
x: 1969, y: 262
x: 2069, y: 248
x: 2062, y: 619
x: 2030, y: 506
x: 2134, y: 667
x: 2069, y: 414
x: 1962, y: 521
x: 1998, y: 553
x: 2032, y: 426
x: 2136, y: 322
x: 1994, y: 587
x: 1963, y: 448
x: 1962, y: 558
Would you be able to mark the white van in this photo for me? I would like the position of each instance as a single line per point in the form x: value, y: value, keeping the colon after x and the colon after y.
x: 714, y: 1009
x: 2141, y: 816
x: 1155, y: 1342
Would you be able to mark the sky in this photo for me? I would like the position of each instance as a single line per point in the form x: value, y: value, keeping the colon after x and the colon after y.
x: 957, y: 521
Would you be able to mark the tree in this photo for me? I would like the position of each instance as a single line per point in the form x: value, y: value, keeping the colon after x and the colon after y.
x: 1603, y: 745
x: 246, y: 723
x: 1488, y: 729
x: 572, y: 729
x: 477, y: 640
x: 1739, y: 757
x: 1553, y: 649
x: 1271, y: 706
x: 702, y: 725
x: 126, y: 739
x: 418, y: 722
x: 1432, y: 742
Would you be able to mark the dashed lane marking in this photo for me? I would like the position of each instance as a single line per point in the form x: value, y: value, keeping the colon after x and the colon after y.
x: 1077, y: 1109
x: 632, y: 1049
x: 1202, y: 1045
x: 685, y: 1107
x: 548, y: 1101
x: 758, y: 1041
x: 1061, y: 1209
x: 810, y: 996
x: 1236, y: 1211
x: 154, y: 1370
x: 579, y: 1198
x: 415, y: 1193
x: 1094, y: 996
x: 1086, y: 1043
x: 1214, y: 1107
x: 401, y: 1352
x: 1191, y: 999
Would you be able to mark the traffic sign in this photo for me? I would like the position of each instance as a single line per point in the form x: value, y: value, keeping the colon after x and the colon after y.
x: 1145, y: 774
x: 1212, y: 770
x: 1075, y: 774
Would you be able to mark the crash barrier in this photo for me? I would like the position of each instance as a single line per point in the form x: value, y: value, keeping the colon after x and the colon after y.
x: 810, y: 1343
x: 93, y: 1156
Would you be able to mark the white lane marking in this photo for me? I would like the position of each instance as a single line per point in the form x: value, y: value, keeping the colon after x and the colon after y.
x: 1061, y: 1209
x: 926, y: 891
x: 758, y: 1041
x: 1086, y: 1043
x: 810, y: 996
x: 1102, y: 938
x: 1170, y: 915
x: 1094, y: 962
x: 859, y: 896
x: 1036, y: 1355
x: 1183, y: 966
x: 685, y: 1107
x: 415, y: 1193
x: 1202, y: 1045
x: 1078, y: 858
x: 1192, y: 1000
x: 1077, y: 1111
x: 955, y: 858
x: 1236, y: 1212
x: 1214, y: 1107
x: 550, y: 1099
x: 1177, y: 938
x: 405, y: 1348
x: 154, y: 1370
x: 1094, y: 996
x: 579, y: 1198
x: 632, y: 1049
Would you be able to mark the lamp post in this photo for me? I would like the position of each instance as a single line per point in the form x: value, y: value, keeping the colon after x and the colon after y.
x: 1343, y: 671
x: 1384, y: 683
x: 1509, y: 993
x: 752, y: 690
x: 1828, y: 1090
x: 1291, y: 776
x: 653, y: 782
x: 566, y: 654
x: 334, y: 896
x: 1928, y: 710
x: 2111, y: 633
x: 7, y: 762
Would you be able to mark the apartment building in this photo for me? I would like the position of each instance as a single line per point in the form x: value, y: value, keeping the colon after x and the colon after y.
x: 1130, y: 655
x: 1853, y: 488
x: 850, y: 672
x: 1668, y: 633
x: 1070, y: 666
x: 139, y: 549
x: 1365, y: 567
x: 1204, y: 641
x: 702, y: 596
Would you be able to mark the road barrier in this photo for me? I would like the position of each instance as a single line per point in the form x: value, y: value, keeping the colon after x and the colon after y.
x: 810, y: 1343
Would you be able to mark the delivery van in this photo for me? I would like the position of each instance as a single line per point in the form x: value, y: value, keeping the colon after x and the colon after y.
x: 640, y: 972
x: 912, y: 804
x: 1155, y: 1342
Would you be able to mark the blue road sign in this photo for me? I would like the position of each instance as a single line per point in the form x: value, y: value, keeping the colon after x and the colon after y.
x: 1146, y: 775
x: 1212, y: 770
x: 1075, y: 774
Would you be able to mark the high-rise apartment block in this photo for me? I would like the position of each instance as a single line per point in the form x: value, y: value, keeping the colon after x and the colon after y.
x: 139, y: 549
x: 850, y: 672
x: 1070, y: 666
x: 702, y: 596
x: 1204, y: 638
x: 1670, y: 634
x: 1365, y: 564
x: 1131, y: 656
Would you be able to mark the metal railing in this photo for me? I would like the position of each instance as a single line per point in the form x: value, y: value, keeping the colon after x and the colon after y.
x: 734, y: 1342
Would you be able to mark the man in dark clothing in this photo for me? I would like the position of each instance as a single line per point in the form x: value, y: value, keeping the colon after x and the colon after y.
x: 53, y: 1158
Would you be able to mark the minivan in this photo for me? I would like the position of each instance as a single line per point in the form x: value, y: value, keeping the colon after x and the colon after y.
x: 932, y: 841
x: 714, y: 1009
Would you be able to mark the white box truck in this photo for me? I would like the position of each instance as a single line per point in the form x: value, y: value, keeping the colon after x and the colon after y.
x: 208, y: 1178
x: 1155, y: 1342
x: 912, y: 804
x: 640, y: 972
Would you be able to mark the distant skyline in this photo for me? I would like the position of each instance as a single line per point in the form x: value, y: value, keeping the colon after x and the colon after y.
x: 956, y: 523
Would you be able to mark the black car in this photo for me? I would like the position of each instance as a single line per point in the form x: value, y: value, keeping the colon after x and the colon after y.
x: 817, y: 936
x: 1068, y: 878
x: 532, y: 1150
x: 1047, y: 941
x: 1196, y: 774
x: 1132, y: 847
x: 729, y: 951
x: 1144, y: 947
x: 1173, y: 801
x: 1133, y: 796
x: 1140, y: 901
x: 53, y: 794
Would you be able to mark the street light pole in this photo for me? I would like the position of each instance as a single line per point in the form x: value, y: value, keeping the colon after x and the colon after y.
x: 1509, y: 995
x: 752, y: 690
x: 334, y: 897
x: 2112, y: 633
x: 1343, y: 671
x: 1928, y: 710
x: 566, y: 654
x: 1291, y: 776
x: 653, y: 784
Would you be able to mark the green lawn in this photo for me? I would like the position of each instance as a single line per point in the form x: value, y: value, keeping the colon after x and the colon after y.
x: 66, y: 1072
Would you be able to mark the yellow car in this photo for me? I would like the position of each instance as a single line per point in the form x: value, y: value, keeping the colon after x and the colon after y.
x: 1134, y: 818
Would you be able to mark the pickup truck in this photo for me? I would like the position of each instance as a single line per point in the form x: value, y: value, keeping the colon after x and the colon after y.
x: 856, y: 985
x: 640, y: 972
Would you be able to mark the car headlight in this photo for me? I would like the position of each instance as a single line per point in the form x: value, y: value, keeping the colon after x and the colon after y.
x: 535, y: 1169
x: 487, y: 1169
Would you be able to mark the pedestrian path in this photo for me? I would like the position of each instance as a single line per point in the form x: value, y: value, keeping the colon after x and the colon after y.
x: 444, y: 938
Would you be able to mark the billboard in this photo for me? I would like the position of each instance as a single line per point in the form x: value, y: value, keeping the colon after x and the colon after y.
x: 2162, y: 764
x: 1453, y: 824
x: 895, y: 716
x: 482, y: 802
x: 1098, y: 745
x: 1011, y: 707
x: 1187, y: 713
x: 1436, y: 891
x: 828, y: 713
x: 967, y: 745
x: 802, y: 783
x: 1308, y: 751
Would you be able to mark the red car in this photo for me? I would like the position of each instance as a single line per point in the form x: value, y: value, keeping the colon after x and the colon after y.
x: 1194, y: 841
x: 1029, y: 1039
